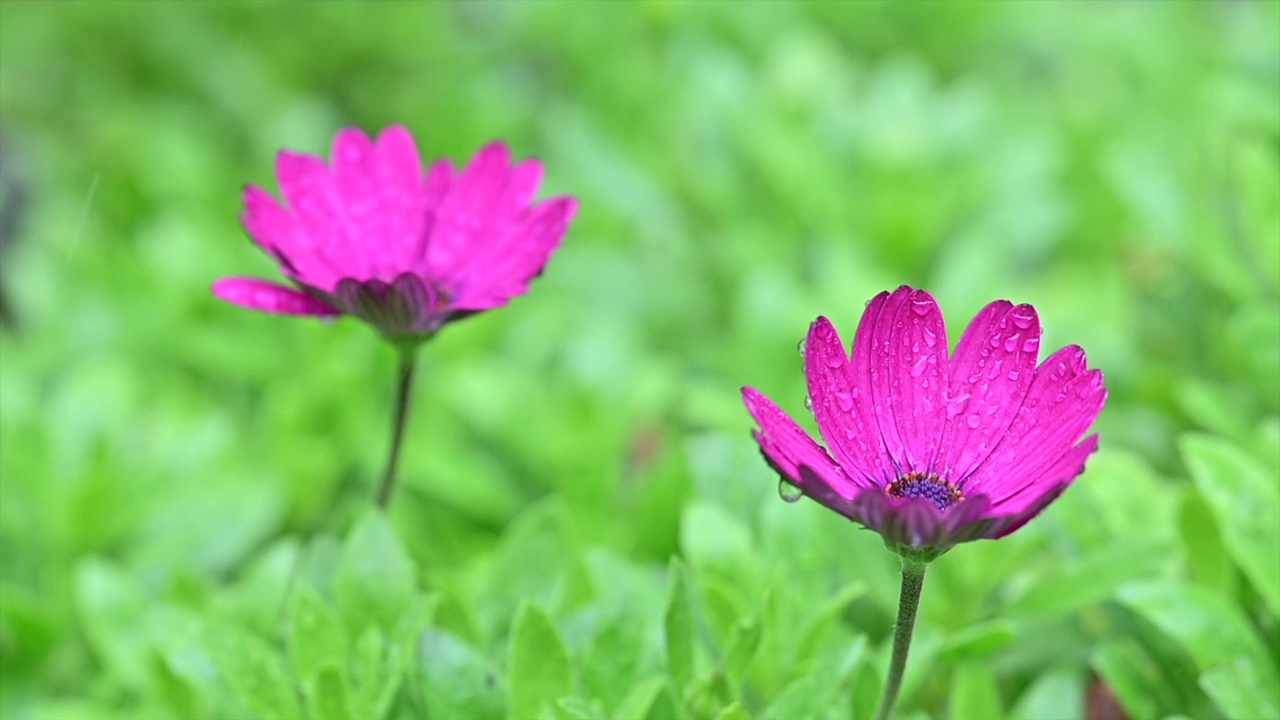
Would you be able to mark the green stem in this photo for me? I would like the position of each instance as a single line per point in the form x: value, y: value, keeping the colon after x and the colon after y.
x: 908, y: 602
x: 403, y: 388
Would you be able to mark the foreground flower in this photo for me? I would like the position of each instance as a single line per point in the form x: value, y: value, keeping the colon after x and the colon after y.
x: 375, y: 236
x: 932, y: 450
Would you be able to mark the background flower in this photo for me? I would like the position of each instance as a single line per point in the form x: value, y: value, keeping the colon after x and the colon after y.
x: 406, y: 250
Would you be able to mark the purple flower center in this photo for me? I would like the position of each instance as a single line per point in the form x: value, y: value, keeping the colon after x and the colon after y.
x: 940, y: 492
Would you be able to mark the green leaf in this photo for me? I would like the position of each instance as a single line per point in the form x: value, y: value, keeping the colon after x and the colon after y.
x: 814, y: 692
x: 540, y: 673
x: 375, y: 579
x: 679, y: 625
x: 317, y: 637
x: 1089, y: 579
x: 115, y: 617
x: 456, y: 680
x: 1203, y: 546
x: 741, y: 646
x: 1055, y: 694
x: 254, y: 670
x: 1216, y: 635
x: 733, y: 712
x: 974, y: 693
x: 1246, y: 502
x: 977, y: 642
x: 1236, y: 689
x: 640, y: 699
x: 327, y: 695
x: 377, y: 667
x: 1134, y: 678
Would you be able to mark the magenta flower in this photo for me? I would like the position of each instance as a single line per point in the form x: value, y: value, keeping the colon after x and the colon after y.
x: 373, y: 235
x: 932, y: 450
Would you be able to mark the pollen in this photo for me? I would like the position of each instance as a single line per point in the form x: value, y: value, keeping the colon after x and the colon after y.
x: 942, y: 493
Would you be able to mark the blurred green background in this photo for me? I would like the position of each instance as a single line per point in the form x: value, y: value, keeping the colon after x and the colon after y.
x: 184, y: 485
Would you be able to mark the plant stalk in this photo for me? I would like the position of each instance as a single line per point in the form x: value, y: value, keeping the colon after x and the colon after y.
x: 404, y: 387
x: 908, y: 603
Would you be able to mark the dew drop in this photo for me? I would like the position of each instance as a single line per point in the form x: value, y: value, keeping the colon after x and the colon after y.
x: 1012, y: 343
x: 930, y: 337
x: 853, y: 392
x: 915, y: 347
x: 845, y: 401
x: 995, y: 340
x: 808, y: 403
x: 1013, y: 375
x: 788, y: 492
x: 974, y: 421
x: 921, y: 307
x: 918, y: 369
x: 1031, y: 344
x: 836, y: 360
x: 924, y: 384
x: 1022, y: 321
x: 800, y: 347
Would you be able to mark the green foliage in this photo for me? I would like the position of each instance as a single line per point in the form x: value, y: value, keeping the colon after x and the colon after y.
x: 584, y: 528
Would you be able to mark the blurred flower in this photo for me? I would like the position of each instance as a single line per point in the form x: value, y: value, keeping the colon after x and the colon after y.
x: 930, y: 450
x: 373, y: 235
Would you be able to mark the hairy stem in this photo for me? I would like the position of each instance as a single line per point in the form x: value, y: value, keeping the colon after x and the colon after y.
x: 908, y: 603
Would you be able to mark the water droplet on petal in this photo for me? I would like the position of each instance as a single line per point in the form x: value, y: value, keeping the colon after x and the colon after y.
x: 974, y: 421
x: 930, y: 337
x: 1013, y: 374
x: 788, y: 492
x: 800, y: 347
x: 1031, y: 344
x: 921, y: 307
x: 853, y: 392
x: 995, y: 340
x: 1022, y: 321
x: 845, y: 401
x: 835, y: 360
x: 918, y: 369
x: 1012, y: 343
x: 808, y: 403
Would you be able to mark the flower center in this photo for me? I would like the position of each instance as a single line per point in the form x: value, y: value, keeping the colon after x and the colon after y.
x: 940, y: 492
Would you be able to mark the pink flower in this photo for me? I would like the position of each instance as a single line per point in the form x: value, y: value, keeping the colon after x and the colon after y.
x: 932, y: 450
x: 373, y: 235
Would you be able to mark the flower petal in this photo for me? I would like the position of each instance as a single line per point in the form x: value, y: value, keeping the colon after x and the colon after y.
x: 991, y: 371
x: 279, y: 234
x: 480, y: 208
x: 910, y: 522
x: 1062, y: 402
x: 503, y: 269
x: 917, y: 361
x: 317, y: 216
x: 795, y: 455
x: 887, y: 379
x: 268, y: 297
x: 842, y: 409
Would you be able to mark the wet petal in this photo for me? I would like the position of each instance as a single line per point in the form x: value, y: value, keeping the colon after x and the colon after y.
x: 917, y: 361
x: 1064, y: 399
x: 991, y: 371
x: 268, y: 297
x: 841, y: 408
x: 886, y: 380
x: 796, y: 456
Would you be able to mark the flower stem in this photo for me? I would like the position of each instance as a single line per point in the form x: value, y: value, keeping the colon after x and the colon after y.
x: 403, y: 388
x: 908, y: 602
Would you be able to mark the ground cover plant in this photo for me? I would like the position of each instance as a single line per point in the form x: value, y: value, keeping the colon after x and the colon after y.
x: 583, y: 526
